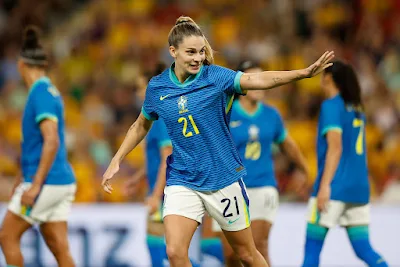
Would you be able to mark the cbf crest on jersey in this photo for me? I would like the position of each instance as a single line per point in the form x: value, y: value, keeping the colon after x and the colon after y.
x: 182, y: 104
x: 253, y: 132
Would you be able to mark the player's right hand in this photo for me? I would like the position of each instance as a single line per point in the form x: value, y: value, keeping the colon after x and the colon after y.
x: 323, y: 196
x: 112, y: 169
x: 153, y: 203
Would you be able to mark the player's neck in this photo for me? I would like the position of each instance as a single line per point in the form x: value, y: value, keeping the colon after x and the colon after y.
x: 33, y: 75
x: 181, y: 75
x: 249, y: 106
x: 332, y: 92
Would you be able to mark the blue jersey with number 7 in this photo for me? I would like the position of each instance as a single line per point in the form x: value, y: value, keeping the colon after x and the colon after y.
x: 196, y: 114
x: 44, y: 102
x: 350, y: 183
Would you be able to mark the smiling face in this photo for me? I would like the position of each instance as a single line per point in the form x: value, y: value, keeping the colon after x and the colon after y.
x: 189, y: 55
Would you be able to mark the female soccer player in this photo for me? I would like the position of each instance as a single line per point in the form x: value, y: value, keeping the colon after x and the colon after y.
x: 194, y: 98
x: 254, y: 138
x: 341, y: 190
x: 47, y: 190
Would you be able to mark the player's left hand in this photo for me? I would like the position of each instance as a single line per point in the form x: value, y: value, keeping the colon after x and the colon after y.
x: 322, y: 63
x: 152, y: 202
x: 324, y: 194
x: 112, y: 169
x: 29, y: 196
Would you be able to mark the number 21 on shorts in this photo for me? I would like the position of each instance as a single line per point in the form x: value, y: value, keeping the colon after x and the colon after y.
x: 228, y: 203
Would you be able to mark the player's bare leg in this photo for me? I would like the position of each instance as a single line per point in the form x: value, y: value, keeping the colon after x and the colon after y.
x: 179, y: 231
x: 260, y: 230
x: 243, y: 245
x: 231, y: 259
x: 10, y: 238
x: 56, y: 236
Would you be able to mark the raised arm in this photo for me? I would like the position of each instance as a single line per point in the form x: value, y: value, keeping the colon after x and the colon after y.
x: 135, y: 135
x: 269, y: 79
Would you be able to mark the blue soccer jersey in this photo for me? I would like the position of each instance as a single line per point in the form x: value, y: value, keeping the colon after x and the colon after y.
x: 44, y: 102
x: 350, y: 183
x: 196, y: 114
x: 156, y: 139
x: 254, y: 134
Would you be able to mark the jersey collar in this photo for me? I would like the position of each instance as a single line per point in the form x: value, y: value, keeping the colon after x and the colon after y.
x: 188, y: 81
x: 244, y: 113
x: 44, y: 79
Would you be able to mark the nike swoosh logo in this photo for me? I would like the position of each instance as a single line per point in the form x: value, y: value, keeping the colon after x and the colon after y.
x: 163, y: 97
x: 230, y: 222
x: 235, y: 124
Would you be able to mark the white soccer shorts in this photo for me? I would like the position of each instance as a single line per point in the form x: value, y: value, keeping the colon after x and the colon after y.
x: 338, y: 213
x: 264, y: 204
x: 52, y: 205
x: 228, y: 206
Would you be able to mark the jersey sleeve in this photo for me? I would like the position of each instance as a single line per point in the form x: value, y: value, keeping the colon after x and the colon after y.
x: 330, y: 117
x: 280, y: 130
x: 45, y: 103
x: 228, y: 80
x: 163, y: 139
x: 148, y: 108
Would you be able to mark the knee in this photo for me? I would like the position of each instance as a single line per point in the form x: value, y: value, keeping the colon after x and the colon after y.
x: 5, y: 237
x: 176, y: 252
x: 58, y: 246
x: 261, y: 245
x: 232, y: 260
x: 246, y: 256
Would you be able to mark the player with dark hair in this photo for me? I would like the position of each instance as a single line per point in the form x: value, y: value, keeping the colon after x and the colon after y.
x: 341, y: 191
x: 45, y: 193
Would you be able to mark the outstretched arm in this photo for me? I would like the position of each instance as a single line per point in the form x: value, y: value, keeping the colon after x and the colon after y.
x: 269, y: 79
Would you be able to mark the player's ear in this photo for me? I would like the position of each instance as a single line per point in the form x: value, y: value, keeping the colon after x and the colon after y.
x: 172, y: 51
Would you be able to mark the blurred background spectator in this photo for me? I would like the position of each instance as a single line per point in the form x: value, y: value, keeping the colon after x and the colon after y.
x: 102, y: 50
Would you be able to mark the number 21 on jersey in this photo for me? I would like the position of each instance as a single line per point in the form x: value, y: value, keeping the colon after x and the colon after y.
x: 185, y: 131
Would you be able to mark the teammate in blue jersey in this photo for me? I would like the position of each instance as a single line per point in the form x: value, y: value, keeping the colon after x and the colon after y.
x: 341, y: 190
x: 194, y: 99
x: 255, y: 128
x: 47, y: 189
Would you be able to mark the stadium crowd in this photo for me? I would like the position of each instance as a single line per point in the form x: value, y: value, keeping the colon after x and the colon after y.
x: 102, y: 51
